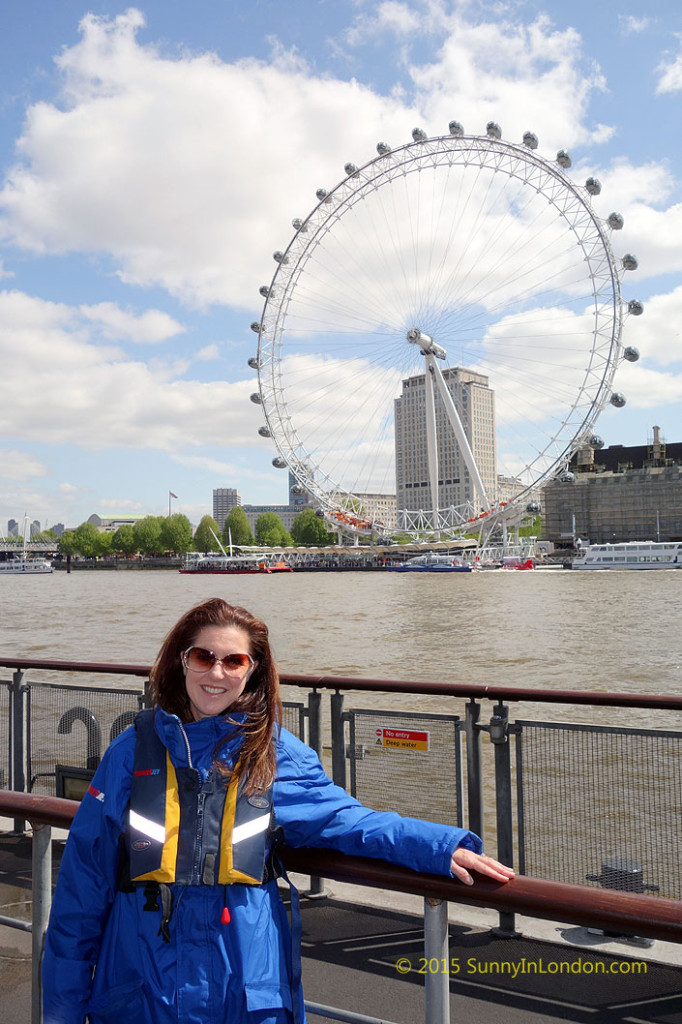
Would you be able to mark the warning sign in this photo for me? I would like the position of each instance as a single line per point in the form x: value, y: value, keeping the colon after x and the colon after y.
x: 407, y: 739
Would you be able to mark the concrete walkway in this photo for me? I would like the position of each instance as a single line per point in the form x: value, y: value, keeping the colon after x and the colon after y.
x: 369, y: 959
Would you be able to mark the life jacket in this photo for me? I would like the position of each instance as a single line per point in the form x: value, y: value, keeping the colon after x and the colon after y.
x: 190, y: 831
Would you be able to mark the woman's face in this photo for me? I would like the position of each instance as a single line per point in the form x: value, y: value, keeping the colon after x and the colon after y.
x: 214, y: 691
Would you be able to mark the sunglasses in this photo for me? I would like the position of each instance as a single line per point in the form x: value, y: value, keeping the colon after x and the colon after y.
x: 199, y: 659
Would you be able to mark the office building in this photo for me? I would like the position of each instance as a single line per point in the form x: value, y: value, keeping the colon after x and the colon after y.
x: 224, y: 500
x: 475, y: 404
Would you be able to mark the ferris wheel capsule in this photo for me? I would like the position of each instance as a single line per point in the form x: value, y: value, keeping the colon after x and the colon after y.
x: 256, y: 398
x: 456, y: 129
x: 530, y: 140
x: 493, y: 130
x: 265, y: 432
x: 279, y: 463
x: 279, y: 257
x: 629, y: 261
x: 567, y: 477
x: 615, y: 221
x: 383, y: 148
x: 323, y: 195
x: 298, y: 224
x: 596, y: 441
x: 564, y: 159
x: 256, y: 327
x: 351, y: 170
x: 617, y: 399
x: 593, y: 186
x: 419, y: 135
x: 264, y: 291
x: 631, y: 354
x: 635, y: 307
x: 533, y: 507
x: 254, y: 363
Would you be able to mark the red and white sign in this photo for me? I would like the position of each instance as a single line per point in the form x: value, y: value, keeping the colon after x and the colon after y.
x: 406, y: 739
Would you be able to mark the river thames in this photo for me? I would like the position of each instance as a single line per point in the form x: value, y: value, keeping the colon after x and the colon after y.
x: 614, y: 631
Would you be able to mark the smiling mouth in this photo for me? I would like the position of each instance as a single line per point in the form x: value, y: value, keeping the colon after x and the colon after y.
x: 213, y: 691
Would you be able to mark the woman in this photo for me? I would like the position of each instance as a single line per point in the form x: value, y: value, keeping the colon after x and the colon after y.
x: 167, y: 890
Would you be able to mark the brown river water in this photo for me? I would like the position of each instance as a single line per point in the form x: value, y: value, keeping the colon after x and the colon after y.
x: 613, y: 631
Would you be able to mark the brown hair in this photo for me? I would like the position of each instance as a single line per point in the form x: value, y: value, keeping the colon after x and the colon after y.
x: 260, y: 700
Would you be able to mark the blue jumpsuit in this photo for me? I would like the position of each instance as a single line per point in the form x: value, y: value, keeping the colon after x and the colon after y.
x: 104, y: 958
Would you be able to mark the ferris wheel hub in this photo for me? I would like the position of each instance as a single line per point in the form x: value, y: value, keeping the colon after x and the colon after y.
x: 426, y: 342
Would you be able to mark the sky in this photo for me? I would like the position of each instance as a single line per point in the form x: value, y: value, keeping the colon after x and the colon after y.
x: 152, y: 159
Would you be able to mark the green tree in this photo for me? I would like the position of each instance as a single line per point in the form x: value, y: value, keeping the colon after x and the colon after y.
x: 238, y: 526
x: 67, y: 544
x: 203, y: 538
x: 176, y: 533
x: 85, y: 539
x: 123, y: 540
x: 147, y: 533
x: 270, y: 531
x: 104, y: 544
x: 307, y: 528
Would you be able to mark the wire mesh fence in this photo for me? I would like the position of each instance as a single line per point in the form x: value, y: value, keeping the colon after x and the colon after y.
x: 410, y: 763
x: 600, y: 805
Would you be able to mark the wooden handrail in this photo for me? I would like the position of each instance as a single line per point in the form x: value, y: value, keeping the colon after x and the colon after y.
x: 629, y: 913
x: 473, y: 691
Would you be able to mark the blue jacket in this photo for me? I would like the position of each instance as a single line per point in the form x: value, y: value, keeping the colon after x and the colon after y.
x: 209, y: 972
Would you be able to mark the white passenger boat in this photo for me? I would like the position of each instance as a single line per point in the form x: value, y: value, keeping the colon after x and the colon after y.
x: 23, y: 565
x: 631, y: 555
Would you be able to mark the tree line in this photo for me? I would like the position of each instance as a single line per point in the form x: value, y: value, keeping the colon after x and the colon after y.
x: 159, y: 535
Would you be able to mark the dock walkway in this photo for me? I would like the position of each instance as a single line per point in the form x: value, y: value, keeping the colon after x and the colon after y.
x: 351, y: 949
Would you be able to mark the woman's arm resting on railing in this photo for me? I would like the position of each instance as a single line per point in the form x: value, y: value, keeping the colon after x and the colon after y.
x: 465, y: 860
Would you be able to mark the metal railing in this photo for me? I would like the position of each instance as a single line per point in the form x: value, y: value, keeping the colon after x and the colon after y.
x: 623, y: 912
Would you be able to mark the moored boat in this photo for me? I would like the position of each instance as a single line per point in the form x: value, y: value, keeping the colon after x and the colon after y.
x: 231, y: 565
x: 23, y: 565
x: 631, y: 555
x: 432, y: 563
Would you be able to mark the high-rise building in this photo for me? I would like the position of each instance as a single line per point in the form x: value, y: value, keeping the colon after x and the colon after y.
x: 475, y: 404
x: 224, y: 500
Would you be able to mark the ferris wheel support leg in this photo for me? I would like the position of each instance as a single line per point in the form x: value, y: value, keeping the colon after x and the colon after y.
x: 431, y: 440
x: 456, y: 424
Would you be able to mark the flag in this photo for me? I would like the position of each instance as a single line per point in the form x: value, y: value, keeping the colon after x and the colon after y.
x: 171, y: 495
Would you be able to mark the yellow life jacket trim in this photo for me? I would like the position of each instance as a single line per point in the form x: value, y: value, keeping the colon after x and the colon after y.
x: 228, y: 874
x: 166, y: 871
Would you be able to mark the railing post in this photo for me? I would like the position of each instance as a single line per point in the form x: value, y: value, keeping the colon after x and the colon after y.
x: 436, y: 951
x: 17, y: 739
x: 338, y: 740
x: 474, y: 774
x: 41, y: 857
x: 315, y: 737
x: 499, y: 737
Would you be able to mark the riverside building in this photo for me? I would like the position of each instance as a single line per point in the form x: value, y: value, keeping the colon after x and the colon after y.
x: 224, y: 500
x: 475, y: 404
x: 619, y: 493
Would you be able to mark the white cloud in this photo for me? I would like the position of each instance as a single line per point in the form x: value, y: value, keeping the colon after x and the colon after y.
x: 149, y: 328
x: 207, y: 353
x: 658, y: 333
x: 631, y: 25
x: 119, y: 504
x: 5, y: 273
x: 150, y: 159
x: 58, y: 385
x: 397, y: 19
x: 18, y: 465
x: 670, y: 70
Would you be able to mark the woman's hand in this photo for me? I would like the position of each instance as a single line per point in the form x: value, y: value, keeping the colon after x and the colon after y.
x: 464, y: 860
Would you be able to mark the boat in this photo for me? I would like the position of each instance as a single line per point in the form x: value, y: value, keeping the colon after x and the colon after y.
x: 231, y: 565
x: 517, y: 562
x: 23, y: 565
x: 431, y: 563
x: 631, y: 555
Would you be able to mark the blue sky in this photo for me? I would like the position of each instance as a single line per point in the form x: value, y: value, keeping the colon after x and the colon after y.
x: 152, y: 159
